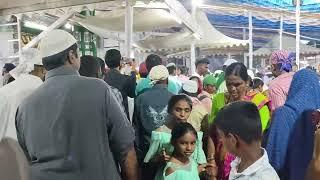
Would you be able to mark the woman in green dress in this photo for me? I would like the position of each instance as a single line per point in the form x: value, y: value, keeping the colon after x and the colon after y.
x: 160, y: 150
x: 237, y: 82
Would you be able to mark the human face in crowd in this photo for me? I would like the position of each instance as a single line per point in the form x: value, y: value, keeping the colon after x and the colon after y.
x: 237, y: 87
x: 202, y: 69
x: 181, y: 111
x: 178, y: 72
x: 210, y: 89
x: 185, y: 145
x: 260, y: 89
x: 275, y: 72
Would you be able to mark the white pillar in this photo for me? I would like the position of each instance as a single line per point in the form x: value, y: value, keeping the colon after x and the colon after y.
x: 129, y: 29
x: 192, y: 47
x: 250, y: 41
x: 19, y: 35
x: 298, y: 33
x: 245, y: 55
x: 193, y: 58
x: 281, y: 31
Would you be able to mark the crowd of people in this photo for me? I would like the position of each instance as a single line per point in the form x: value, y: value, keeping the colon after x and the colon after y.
x: 68, y: 117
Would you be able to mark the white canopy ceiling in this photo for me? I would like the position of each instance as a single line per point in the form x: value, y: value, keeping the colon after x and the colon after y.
x: 212, y: 38
x: 288, y: 43
x: 145, y: 20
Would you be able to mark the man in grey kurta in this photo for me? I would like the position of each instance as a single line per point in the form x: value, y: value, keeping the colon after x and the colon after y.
x: 72, y: 127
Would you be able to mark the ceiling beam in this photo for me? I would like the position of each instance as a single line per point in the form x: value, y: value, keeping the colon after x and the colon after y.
x: 11, y: 7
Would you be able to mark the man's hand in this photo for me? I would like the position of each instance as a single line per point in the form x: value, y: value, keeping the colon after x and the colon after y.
x: 212, y: 169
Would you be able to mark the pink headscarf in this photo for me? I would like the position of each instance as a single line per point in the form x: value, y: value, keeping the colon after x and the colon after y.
x: 284, y: 58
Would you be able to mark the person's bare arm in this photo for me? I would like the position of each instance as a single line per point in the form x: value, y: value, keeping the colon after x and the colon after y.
x: 129, y: 167
x: 121, y: 137
x: 313, y: 172
x: 212, y: 169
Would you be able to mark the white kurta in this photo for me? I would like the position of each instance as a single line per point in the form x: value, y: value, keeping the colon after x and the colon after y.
x: 11, y: 95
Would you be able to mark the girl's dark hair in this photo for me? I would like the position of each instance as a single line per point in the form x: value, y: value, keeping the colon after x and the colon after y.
x: 180, y: 130
x: 237, y: 69
x: 176, y: 98
x: 257, y: 82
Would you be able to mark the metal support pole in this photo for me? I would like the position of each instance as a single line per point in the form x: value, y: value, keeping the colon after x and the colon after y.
x: 250, y: 41
x: 55, y: 25
x: 19, y: 35
x: 193, y: 58
x: 129, y: 29
x: 281, y: 31
x: 245, y: 55
x: 298, y: 33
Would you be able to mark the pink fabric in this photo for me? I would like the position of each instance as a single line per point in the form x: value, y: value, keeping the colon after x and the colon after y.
x: 227, y: 165
x: 279, y: 56
x: 206, y: 102
x: 183, y: 78
x: 278, y: 90
x: 195, y: 101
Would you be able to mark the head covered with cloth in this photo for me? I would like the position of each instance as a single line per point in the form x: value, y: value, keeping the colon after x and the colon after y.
x: 281, y: 61
x: 159, y: 75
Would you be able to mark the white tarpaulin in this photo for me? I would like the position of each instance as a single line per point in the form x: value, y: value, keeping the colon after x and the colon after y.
x: 288, y: 43
x: 212, y: 38
x: 145, y: 20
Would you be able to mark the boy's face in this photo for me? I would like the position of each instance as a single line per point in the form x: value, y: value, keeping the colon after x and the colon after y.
x: 229, y: 141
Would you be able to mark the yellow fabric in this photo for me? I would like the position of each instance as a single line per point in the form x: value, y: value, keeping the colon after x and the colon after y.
x: 197, y: 115
x: 259, y: 99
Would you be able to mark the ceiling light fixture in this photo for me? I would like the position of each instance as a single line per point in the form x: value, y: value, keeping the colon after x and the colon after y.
x: 34, y: 25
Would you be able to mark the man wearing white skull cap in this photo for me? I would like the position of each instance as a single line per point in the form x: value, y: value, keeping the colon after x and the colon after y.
x: 72, y: 127
x: 28, y: 74
x: 150, y: 112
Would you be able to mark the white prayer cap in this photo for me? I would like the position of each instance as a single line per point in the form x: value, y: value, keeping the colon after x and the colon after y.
x: 55, y: 42
x: 190, y: 86
x: 217, y: 72
x: 158, y: 73
x: 229, y: 62
x: 28, y: 59
x: 171, y: 65
x: 250, y: 73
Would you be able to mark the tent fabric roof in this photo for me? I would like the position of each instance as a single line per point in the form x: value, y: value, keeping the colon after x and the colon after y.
x: 308, y: 5
x: 145, y: 20
x: 235, y: 22
x: 182, y: 40
x: 288, y: 44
